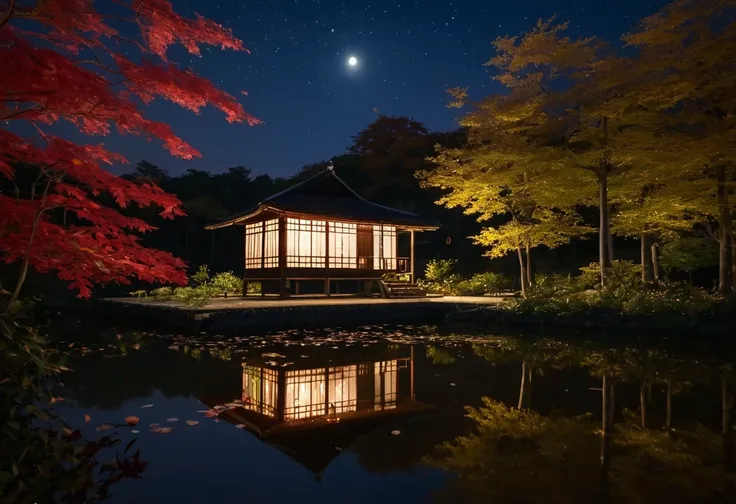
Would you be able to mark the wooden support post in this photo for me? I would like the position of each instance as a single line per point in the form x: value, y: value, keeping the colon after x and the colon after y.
x: 212, y: 250
x: 283, y: 291
x: 263, y: 244
x: 411, y: 373
x: 245, y: 258
x: 411, y: 258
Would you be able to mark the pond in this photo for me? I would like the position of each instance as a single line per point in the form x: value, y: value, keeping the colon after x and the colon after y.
x: 381, y: 413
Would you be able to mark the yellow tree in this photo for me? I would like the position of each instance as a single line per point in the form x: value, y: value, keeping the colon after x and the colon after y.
x: 501, y: 172
x: 687, y: 54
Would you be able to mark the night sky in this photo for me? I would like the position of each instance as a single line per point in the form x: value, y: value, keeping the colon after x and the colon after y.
x: 300, y: 84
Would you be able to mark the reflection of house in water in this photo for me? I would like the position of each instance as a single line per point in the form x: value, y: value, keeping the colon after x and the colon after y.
x: 312, y: 413
x: 328, y: 393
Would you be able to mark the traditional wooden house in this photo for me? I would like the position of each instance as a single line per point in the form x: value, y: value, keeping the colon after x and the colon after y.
x: 322, y: 231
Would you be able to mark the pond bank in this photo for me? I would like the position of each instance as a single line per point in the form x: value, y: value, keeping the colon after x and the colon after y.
x: 679, y: 323
x: 238, y: 313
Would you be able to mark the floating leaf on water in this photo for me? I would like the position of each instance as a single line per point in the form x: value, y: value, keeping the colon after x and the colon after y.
x: 104, y: 427
x: 55, y: 400
x: 174, y: 347
x: 132, y: 420
x: 154, y: 424
x: 273, y: 356
x: 210, y: 413
x: 147, y: 406
x: 337, y: 448
x: 192, y: 422
x: 172, y: 419
x: 452, y: 384
x: 87, y: 418
x: 239, y: 426
x: 161, y: 430
x: 395, y: 432
x: 135, y: 431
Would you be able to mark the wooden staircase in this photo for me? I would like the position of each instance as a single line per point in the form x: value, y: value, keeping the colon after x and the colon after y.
x: 400, y: 289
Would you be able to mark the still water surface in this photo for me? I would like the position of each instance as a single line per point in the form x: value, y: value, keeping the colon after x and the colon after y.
x: 380, y: 414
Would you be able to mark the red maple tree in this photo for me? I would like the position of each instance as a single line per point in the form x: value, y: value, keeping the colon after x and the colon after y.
x: 65, y: 60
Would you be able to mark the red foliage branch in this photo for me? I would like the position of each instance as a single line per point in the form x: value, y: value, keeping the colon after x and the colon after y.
x: 70, y: 68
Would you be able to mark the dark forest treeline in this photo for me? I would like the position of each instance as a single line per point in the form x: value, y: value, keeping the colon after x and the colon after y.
x: 380, y: 165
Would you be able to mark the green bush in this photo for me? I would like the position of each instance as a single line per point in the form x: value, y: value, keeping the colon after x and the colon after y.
x: 622, y: 273
x: 440, y: 279
x: 482, y: 284
x: 227, y: 283
x: 203, y: 288
x: 440, y: 270
x: 392, y: 276
x: 202, y: 275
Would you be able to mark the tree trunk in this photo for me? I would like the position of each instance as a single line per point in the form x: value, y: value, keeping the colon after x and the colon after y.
x: 27, y: 256
x: 522, y: 270
x: 729, y: 451
x: 529, y: 274
x: 605, y: 434
x: 643, y: 405
x: 612, y: 403
x: 655, y: 263
x: 668, y: 420
x: 604, y: 232
x: 725, y: 276
x: 646, y: 269
x: 522, y: 388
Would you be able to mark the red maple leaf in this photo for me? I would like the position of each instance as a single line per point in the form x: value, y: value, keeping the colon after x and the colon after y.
x: 67, y: 64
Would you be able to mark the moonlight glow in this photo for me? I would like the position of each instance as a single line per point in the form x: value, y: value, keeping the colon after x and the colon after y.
x: 352, y: 61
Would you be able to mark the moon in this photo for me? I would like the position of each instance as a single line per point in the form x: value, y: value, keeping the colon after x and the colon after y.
x: 352, y: 61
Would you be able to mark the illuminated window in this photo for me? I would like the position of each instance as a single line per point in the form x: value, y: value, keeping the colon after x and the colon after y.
x: 255, y: 244
x: 305, y: 243
x: 260, y: 390
x: 305, y: 394
x: 384, y: 247
x: 343, y: 245
x: 386, y: 376
x: 271, y: 244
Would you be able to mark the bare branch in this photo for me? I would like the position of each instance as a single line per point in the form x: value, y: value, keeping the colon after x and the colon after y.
x: 8, y: 14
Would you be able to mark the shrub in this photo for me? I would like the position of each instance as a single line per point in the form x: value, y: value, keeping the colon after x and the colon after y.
x: 440, y: 270
x: 395, y: 277
x: 162, y: 293
x: 202, y: 275
x: 254, y: 288
x: 622, y: 273
x: 482, y: 284
x: 227, y: 283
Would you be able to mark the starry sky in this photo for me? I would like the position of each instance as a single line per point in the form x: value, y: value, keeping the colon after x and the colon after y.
x: 311, y: 101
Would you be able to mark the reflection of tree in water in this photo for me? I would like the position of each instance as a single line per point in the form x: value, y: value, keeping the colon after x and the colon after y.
x: 521, y: 456
x: 517, y: 455
x: 118, y: 379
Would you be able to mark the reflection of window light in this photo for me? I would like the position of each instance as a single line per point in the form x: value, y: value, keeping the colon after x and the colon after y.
x: 386, y: 381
